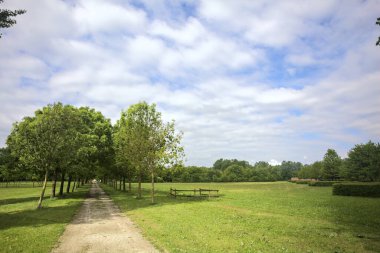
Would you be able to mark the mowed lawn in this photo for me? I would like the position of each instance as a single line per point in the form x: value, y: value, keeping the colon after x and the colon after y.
x: 256, y: 217
x: 25, y: 229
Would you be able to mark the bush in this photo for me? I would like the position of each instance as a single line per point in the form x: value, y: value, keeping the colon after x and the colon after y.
x: 357, y: 189
x: 322, y: 183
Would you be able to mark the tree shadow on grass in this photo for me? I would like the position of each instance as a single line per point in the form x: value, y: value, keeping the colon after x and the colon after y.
x: 38, y: 217
x: 17, y: 200
x: 46, y: 215
x: 10, y: 201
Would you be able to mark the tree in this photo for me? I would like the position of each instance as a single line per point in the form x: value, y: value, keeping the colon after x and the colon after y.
x: 6, y: 17
x: 234, y: 173
x: 289, y: 169
x: 45, y: 142
x: 120, y: 142
x: 378, y: 40
x: 331, y: 165
x: 363, y: 162
x: 311, y: 171
x: 149, y: 143
x: 95, y: 154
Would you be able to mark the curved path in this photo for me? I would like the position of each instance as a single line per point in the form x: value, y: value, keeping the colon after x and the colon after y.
x: 100, y: 227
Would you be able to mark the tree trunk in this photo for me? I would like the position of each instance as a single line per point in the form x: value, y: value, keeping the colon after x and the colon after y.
x: 54, y: 182
x: 130, y: 185
x: 152, y: 193
x: 62, y: 184
x: 139, y: 187
x: 68, y: 184
x: 123, y: 184
x: 120, y: 182
x: 43, y: 191
x: 72, y: 190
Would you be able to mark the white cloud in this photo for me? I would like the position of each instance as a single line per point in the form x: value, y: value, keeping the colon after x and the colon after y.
x: 226, y: 72
x: 105, y: 16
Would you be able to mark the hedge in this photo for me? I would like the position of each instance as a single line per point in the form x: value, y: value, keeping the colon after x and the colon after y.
x: 322, y: 183
x: 357, y: 189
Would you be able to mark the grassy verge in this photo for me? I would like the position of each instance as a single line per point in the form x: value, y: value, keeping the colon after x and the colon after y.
x: 256, y: 217
x: 25, y: 229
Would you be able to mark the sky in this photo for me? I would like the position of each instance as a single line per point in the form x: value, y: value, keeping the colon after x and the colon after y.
x: 252, y: 80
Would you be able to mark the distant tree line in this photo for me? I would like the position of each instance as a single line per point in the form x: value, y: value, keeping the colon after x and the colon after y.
x: 362, y: 164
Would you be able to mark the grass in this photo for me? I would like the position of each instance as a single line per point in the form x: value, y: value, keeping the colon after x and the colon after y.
x: 25, y: 229
x: 255, y: 217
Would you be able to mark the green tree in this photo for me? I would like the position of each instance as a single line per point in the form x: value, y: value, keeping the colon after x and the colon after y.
x: 95, y: 154
x: 120, y: 142
x: 6, y: 164
x: 311, y: 171
x: 234, y: 173
x: 289, y: 169
x: 363, y: 162
x: 6, y: 17
x: 44, y: 142
x: 149, y: 142
x: 331, y: 165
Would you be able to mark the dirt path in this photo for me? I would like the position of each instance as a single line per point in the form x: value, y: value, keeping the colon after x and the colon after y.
x: 100, y: 227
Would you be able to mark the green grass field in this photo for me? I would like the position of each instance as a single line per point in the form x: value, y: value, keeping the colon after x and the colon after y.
x: 256, y: 217
x: 25, y: 229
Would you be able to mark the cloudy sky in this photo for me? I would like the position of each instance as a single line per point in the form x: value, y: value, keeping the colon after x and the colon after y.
x: 253, y: 80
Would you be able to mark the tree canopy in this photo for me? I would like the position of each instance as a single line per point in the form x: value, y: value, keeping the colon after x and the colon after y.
x: 144, y: 142
x: 7, y: 17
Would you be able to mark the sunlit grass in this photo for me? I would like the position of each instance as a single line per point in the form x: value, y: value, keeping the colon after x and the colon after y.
x: 256, y: 217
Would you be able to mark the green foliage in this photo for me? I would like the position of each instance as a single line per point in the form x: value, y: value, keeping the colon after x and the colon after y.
x: 289, y: 169
x: 322, y: 183
x: 311, y: 171
x: 95, y: 154
x: 47, y: 140
x: 61, y: 139
x: 331, y: 165
x: 234, y: 173
x: 255, y: 217
x: 222, y: 164
x: 363, y: 163
x: 357, y: 189
x: 144, y: 142
x: 6, y: 17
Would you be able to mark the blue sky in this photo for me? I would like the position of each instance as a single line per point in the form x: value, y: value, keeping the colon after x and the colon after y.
x: 252, y: 80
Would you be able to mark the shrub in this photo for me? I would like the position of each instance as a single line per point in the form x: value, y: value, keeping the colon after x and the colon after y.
x: 357, y: 189
x: 322, y: 183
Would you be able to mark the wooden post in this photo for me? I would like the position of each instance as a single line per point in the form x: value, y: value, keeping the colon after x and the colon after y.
x: 175, y: 193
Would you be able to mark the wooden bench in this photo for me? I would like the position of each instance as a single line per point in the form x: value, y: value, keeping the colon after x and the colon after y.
x: 194, y: 193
